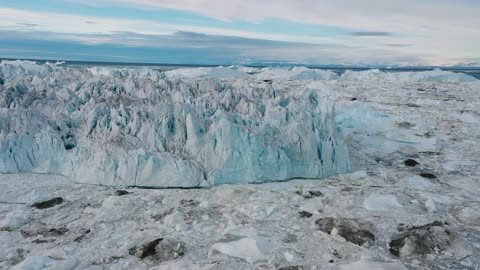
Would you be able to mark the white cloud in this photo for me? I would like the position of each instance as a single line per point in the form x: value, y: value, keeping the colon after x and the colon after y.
x: 412, y: 16
x: 437, y: 31
x: 16, y: 19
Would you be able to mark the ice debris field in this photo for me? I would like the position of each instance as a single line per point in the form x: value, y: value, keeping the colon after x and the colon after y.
x: 383, y: 168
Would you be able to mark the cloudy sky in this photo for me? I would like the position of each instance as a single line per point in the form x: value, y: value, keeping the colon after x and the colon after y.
x: 322, y: 32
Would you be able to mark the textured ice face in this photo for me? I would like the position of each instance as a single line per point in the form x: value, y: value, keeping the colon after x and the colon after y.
x: 136, y: 127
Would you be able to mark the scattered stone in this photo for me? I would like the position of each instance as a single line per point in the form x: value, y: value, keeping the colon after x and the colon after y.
x: 305, y: 214
x: 430, y: 153
x: 54, y: 232
x: 107, y: 260
x: 159, y: 250
x: 121, y: 192
x: 48, y: 204
x: 405, y: 125
x: 42, y: 241
x: 309, y: 194
x: 411, y: 162
x: 296, y: 267
x: 326, y: 225
x: 160, y: 216
x: 350, y: 229
x: 428, y: 175
x: 428, y: 134
x: 81, y: 237
x: 110, y: 260
x: 418, y: 242
x: 290, y: 238
x: 188, y: 203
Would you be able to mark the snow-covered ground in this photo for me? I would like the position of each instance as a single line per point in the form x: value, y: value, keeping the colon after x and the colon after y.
x: 410, y: 203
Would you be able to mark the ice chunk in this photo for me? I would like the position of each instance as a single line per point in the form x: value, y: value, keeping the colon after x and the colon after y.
x: 15, y: 219
x: 365, y: 264
x: 44, y: 263
x: 218, y: 72
x: 436, y: 75
x: 382, y: 203
x: 251, y: 249
x: 296, y: 73
x: 133, y: 127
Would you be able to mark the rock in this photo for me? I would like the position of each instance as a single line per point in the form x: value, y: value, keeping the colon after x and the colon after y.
x: 159, y: 250
x: 188, y: 203
x: 268, y: 81
x: 290, y: 238
x: 406, y: 125
x: 419, y: 241
x: 310, y: 194
x: 411, y: 163
x: 53, y: 232
x: 82, y: 236
x: 428, y: 175
x: 48, y: 204
x: 326, y: 225
x: 350, y: 229
x: 305, y: 214
x: 121, y: 192
x: 296, y: 267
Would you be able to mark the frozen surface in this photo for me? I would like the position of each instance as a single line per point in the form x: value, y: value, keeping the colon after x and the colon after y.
x: 218, y: 72
x: 299, y: 224
x: 136, y: 128
x: 296, y: 73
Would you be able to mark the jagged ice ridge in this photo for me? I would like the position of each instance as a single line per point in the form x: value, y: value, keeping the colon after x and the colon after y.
x: 137, y: 127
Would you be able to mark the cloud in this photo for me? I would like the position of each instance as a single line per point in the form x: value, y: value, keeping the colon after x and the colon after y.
x: 27, y: 24
x: 75, y: 24
x: 409, y: 16
x: 370, y: 34
x: 422, y: 23
x: 396, y: 45
x: 181, y: 47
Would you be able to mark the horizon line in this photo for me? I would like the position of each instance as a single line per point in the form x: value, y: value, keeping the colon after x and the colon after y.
x: 257, y: 65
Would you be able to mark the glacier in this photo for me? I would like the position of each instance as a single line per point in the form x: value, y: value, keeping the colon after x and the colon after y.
x: 147, y: 128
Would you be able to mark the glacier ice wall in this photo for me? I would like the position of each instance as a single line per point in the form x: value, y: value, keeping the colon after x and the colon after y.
x: 140, y: 128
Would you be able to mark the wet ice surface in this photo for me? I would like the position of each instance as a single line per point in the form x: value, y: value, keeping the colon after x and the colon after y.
x: 385, y: 215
